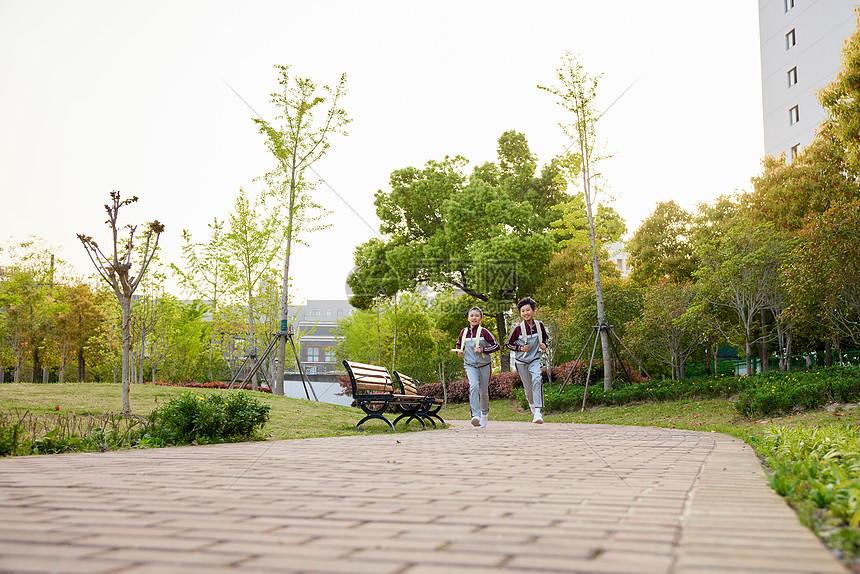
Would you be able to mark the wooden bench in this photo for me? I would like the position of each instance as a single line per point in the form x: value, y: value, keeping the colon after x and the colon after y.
x: 431, y: 406
x: 374, y: 393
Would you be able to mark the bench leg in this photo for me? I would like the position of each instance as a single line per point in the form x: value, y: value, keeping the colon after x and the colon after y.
x: 410, y: 416
x: 379, y: 416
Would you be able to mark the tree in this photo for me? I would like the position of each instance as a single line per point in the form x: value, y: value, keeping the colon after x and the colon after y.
x: 203, y: 275
x: 486, y: 236
x: 368, y: 336
x: 571, y: 264
x: 301, y: 141
x: 841, y: 99
x: 623, y: 300
x: 661, y: 247
x: 741, y: 272
x: 788, y: 194
x: 668, y: 330
x: 28, y: 296
x: 115, y: 269
x: 576, y: 93
x: 254, y: 242
x: 823, y: 274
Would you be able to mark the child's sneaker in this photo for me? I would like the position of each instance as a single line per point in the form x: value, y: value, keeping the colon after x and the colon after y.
x: 538, y: 420
x: 483, y: 422
x: 475, y: 421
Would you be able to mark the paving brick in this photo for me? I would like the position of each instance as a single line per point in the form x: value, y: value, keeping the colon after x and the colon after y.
x: 513, y: 497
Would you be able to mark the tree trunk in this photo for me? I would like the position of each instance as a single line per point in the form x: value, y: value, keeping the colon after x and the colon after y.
x: 140, y: 356
x: 37, y: 364
x: 82, y: 366
x: 763, y: 347
x: 285, y: 289
x: 748, y: 353
x: 125, y: 305
x: 504, y: 353
x: 828, y: 353
x: 716, y: 359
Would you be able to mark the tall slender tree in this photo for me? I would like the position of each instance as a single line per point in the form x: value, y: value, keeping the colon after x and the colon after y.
x: 300, y: 141
x: 577, y: 94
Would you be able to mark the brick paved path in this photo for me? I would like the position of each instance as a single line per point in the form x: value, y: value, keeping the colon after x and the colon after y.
x: 513, y: 497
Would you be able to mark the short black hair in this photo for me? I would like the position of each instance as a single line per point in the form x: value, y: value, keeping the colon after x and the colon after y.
x: 527, y: 301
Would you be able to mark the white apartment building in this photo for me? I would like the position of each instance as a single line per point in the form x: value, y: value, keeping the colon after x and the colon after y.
x: 801, y: 52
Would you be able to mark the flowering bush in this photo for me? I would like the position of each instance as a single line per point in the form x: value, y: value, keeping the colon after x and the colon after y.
x: 209, y: 385
x: 501, y: 387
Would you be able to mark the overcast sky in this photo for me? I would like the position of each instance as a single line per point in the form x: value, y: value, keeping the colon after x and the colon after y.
x: 133, y: 96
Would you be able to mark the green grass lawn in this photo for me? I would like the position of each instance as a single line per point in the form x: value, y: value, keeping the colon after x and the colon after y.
x: 298, y: 418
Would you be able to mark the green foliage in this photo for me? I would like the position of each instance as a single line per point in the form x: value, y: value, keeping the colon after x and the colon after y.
x: 622, y: 300
x: 623, y: 393
x: 661, y: 247
x: 817, y: 470
x: 776, y: 392
x: 669, y: 327
x: 823, y: 274
x: 210, y: 418
x: 486, y: 236
x: 10, y: 439
x: 842, y: 98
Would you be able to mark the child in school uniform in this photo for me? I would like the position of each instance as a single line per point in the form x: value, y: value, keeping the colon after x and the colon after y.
x: 475, y: 344
x: 528, y: 341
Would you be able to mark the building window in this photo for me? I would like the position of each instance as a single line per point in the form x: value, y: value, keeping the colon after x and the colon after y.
x: 792, y: 76
x: 790, y: 40
x: 329, y: 355
x: 793, y: 115
x: 313, y: 354
x: 620, y: 264
x: 315, y: 312
x: 789, y: 4
x: 328, y: 312
x: 340, y: 312
x: 795, y: 149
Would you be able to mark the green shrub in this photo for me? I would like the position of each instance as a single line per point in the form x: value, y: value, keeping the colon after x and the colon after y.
x: 9, y: 439
x: 776, y: 392
x: 189, y: 417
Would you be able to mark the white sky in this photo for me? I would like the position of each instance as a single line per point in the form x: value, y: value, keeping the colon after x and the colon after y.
x: 131, y: 96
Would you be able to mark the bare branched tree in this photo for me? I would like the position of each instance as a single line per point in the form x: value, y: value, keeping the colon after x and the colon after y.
x: 115, y: 269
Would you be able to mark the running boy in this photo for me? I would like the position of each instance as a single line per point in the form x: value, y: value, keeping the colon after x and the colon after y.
x: 475, y: 345
x: 528, y: 341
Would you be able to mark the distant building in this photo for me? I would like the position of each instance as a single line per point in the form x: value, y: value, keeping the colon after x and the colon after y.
x: 618, y: 255
x: 315, y: 324
x: 801, y: 52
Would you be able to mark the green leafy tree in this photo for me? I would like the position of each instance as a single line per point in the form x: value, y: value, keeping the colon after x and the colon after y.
x: 787, y: 194
x: 661, y: 247
x: 309, y: 117
x: 669, y: 328
x: 741, y: 273
x: 572, y: 264
x: 253, y: 244
x: 115, y: 268
x: 486, y: 236
x: 202, y: 274
x: 823, y: 275
x: 841, y: 99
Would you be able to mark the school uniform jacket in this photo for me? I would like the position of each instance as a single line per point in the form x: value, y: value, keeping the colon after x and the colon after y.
x: 486, y: 342
x: 523, y: 334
